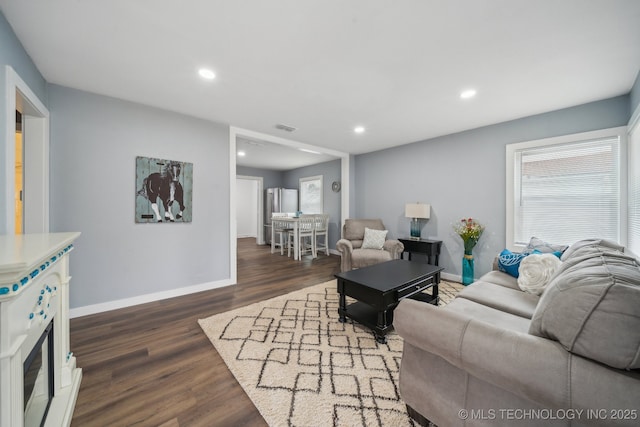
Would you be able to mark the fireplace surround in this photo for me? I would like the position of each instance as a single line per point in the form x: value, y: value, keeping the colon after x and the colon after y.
x: 39, y: 379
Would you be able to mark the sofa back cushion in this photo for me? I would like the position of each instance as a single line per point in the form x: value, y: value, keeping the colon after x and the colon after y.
x: 354, y: 229
x: 592, y: 243
x: 592, y: 305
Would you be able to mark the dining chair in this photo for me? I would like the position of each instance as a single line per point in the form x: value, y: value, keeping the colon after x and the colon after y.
x: 282, y: 229
x: 305, y: 229
x: 320, y: 229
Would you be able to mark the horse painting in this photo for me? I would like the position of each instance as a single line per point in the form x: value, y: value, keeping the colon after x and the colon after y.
x: 166, y: 186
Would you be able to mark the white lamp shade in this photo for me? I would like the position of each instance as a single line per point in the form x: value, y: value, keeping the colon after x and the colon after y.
x: 417, y: 210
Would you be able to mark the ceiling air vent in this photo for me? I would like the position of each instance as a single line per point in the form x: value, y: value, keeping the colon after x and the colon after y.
x: 285, y: 127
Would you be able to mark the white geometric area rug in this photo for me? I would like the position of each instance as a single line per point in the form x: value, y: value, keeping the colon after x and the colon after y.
x: 301, y: 367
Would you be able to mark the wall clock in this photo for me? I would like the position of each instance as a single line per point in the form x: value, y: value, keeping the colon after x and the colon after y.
x: 335, y: 186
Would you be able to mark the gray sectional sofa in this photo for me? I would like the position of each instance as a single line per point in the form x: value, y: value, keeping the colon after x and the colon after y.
x: 496, y: 355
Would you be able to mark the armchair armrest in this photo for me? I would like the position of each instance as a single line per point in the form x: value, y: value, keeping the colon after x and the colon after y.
x: 345, y: 248
x: 395, y: 247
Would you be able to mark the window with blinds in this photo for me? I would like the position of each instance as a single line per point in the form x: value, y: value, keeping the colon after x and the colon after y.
x: 565, y: 189
x: 311, y: 195
x: 633, y: 225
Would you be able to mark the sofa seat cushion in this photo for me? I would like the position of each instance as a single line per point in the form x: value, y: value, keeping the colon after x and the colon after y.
x: 365, y: 257
x: 501, y: 298
x: 489, y: 315
x: 592, y: 306
x: 499, y: 278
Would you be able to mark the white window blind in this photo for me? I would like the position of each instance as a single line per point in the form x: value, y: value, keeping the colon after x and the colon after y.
x: 311, y: 195
x: 633, y: 224
x: 567, y: 192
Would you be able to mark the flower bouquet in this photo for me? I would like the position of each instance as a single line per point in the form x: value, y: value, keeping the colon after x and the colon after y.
x: 469, y: 231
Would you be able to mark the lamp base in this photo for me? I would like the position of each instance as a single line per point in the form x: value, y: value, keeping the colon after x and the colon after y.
x: 415, y: 228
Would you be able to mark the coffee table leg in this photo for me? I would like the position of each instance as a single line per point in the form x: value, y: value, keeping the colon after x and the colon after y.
x: 436, y: 297
x: 342, y: 308
x: 382, y: 324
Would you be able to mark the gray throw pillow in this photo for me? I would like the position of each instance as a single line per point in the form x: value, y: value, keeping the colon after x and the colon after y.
x: 374, y: 239
x: 592, y: 306
x: 541, y: 246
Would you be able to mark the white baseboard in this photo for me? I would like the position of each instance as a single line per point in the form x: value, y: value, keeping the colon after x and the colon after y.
x: 157, y: 296
x: 142, y: 299
x: 451, y: 277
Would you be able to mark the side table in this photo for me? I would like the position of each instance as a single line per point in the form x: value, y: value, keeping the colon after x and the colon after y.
x: 430, y: 248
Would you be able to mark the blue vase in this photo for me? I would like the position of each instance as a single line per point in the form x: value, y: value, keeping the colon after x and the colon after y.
x: 467, y: 269
x: 415, y: 228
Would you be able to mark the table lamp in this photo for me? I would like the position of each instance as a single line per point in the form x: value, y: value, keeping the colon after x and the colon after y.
x: 416, y: 211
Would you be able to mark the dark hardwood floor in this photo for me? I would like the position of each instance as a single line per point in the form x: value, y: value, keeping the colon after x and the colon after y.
x: 151, y: 365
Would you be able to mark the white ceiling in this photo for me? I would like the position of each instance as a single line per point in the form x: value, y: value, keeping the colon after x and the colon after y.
x: 269, y: 155
x: 325, y: 66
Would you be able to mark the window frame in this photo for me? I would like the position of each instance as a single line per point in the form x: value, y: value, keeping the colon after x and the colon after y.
x: 633, y: 146
x: 511, y: 170
x: 300, y: 186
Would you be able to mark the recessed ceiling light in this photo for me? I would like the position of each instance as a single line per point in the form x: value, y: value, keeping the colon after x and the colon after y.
x: 358, y: 129
x: 206, y: 73
x: 241, y: 153
x: 469, y: 93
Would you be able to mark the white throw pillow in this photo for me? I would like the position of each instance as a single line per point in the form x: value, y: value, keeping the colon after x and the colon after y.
x: 536, y: 272
x: 374, y: 239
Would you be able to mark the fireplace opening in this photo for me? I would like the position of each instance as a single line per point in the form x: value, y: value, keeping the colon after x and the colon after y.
x: 38, y: 379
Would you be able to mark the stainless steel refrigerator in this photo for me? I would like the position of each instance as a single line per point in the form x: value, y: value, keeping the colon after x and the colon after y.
x: 278, y: 200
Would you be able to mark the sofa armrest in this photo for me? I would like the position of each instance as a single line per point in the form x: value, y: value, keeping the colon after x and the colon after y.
x: 394, y: 247
x: 534, y: 368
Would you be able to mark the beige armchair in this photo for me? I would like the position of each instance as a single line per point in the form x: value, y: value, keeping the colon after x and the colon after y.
x: 350, y: 246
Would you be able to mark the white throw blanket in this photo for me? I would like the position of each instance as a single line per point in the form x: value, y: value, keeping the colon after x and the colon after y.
x: 536, y: 271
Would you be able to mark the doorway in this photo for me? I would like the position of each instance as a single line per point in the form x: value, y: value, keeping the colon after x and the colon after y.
x: 19, y: 176
x: 234, y: 133
x: 33, y: 191
x: 249, y: 207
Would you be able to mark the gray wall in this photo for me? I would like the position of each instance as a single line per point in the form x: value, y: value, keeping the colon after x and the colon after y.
x: 94, y: 143
x: 270, y: 178
x: 330, y: 171
x: 463, y: 175
x: 12, y: 53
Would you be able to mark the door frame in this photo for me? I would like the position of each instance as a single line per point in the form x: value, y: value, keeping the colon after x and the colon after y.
x: 235, y: 132
x: 260, y: 217
x: 35, y: 134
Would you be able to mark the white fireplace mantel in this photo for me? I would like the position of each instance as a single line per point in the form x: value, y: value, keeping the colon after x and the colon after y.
x: 34, y: 288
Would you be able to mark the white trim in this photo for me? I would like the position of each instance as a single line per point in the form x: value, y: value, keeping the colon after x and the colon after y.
x: 633, y: 126
x: 451, y: 277
x: 143, y: 299
x: 234, y: 132
x: 260, y: 228
x: 36, y: 157
x: 511, y: 149
x: 634, y: 120
x: 233, y: 223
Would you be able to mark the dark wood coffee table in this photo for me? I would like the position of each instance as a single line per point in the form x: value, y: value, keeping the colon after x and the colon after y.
x: 378, y: 289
